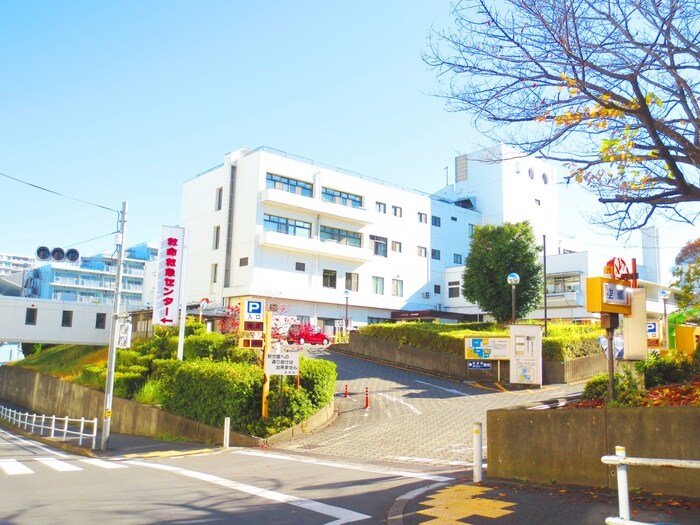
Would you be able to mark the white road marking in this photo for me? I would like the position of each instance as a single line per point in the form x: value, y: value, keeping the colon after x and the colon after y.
x: 341, y: 515
x: 32, y: 444
x: 12, y: 467
x: 102, y: 463
x: 60, y: 466
x: 450, y: 390
x: 399, y: 400
x: 347, y: 466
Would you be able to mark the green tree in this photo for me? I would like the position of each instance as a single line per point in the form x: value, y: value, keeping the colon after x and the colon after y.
x: 495, y: 252
x: 687, y: 274
x: 608, y: 88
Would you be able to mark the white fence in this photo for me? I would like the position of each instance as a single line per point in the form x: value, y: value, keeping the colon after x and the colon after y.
x: 62, y: 428
x: 621, y: 460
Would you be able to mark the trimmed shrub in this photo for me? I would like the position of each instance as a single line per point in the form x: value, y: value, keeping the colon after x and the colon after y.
x: 667, y: 370
x: 318, y: 378
x: 93, y: 376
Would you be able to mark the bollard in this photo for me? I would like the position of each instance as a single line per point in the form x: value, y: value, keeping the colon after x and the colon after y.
x: 478, y: 453
x: 366, y: 398
x: 622, y: 487
x: 347, y: 392
x: 227, y: 431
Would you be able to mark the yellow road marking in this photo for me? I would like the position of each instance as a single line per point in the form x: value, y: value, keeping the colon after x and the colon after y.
x: 463, y: 501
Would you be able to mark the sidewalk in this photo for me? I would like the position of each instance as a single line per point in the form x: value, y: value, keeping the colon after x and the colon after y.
x: 505, y: 503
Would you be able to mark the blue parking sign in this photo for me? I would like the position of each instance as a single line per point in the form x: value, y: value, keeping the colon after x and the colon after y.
x: 254, y: 310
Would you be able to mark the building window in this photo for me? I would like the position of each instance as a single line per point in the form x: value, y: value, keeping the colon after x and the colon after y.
x: 423, y: 217
x: 243, y: 261
x: 396, y: 246
x: 100, y: 321
x: 219, y: 202
x: 214, y: 272
x: 341, y: 236
x: 457, y: 258
x: 329, y: 278
x: 397, y: 211
x: 67, y: 318
x: 545, y: 179
x: 30, y: 316
x: 471, y: 231
x: 279, y: 182
x: 453, y: 219
x: 380, y: 207
x: 435, y: 254
x: 531, y: 173
x: 436, y: 289
x: 378, y: 285
x: 300, y: 267
x: 397, y: 287
x: 435, y: 221
x: 453, y: 289
x: 378, y: 245
x: 217, y: 236
x: 352, y: 281
x: 287, y: 226
x: 422, y: 251
x: 564, y: 283
x: 340, y: 197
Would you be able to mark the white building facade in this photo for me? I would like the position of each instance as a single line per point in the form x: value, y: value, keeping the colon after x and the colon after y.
x: 267, y: 224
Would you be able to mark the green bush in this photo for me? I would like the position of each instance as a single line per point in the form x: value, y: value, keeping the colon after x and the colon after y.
x: 128, y: 382
x: 209, y: 392
x: 93, y: 376
x: 667, y: 370
x: 151, y: 393
x: 627, y: 390
x: 318, y: 378
x: 204, y: 346
x: 569, y: 346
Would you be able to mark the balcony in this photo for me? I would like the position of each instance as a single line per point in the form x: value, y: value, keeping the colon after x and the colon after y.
x: 284, y: 199
x: 314, y: 246
x: 565, y: 300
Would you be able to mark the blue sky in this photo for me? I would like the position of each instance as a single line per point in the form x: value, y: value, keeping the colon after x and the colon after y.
x: 117, y: 101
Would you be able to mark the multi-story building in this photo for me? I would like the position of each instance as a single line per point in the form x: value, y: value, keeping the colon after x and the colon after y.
x: 268, y: 224
x: 11, y: 263
x: 92, y: 279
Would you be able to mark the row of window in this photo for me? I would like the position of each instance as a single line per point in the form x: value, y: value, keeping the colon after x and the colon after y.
x: 32, y: 314
x: 379, y: 245
x: 352, y: 282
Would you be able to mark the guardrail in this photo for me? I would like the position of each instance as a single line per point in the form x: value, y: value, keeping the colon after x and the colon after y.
x: 63, y: 428
x: 621, y: 460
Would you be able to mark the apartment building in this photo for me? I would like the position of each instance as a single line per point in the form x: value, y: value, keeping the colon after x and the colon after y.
x: 92, y: 279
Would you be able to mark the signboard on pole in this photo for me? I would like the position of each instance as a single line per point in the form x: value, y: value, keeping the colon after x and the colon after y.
x: 170, y: 259
x: 282, y: 364
x: 526, y: 357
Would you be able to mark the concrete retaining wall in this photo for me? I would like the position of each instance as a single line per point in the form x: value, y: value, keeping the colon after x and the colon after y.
x: 565, y: 446
x: 455, y: 367
x: 49, y: 395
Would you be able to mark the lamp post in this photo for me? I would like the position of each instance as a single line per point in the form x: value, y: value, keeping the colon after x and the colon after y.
x: 346, y: 293
x: 664, y: 297
x: 513, y: 280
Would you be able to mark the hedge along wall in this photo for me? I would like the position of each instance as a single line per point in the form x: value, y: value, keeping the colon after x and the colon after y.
x: 46, y: 394
x: 455, y: 366
x: 564, y: 446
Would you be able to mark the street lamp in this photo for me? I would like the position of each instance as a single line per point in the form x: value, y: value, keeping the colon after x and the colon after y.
x: 664, y: 297
x: 513, y: 280
x: 346, y: 293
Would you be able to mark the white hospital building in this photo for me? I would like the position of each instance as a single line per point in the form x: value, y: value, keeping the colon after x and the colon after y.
x: 318, y: 241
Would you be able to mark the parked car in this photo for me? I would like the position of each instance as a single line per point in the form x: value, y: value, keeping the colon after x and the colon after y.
x: 306, y: 333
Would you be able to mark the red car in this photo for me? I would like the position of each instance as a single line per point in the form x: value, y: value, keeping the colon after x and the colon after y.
x: 305, y: 333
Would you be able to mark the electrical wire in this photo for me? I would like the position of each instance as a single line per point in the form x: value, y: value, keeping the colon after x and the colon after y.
x: 58, y: 193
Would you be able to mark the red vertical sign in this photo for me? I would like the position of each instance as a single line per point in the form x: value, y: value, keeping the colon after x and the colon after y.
x: 170, y: 255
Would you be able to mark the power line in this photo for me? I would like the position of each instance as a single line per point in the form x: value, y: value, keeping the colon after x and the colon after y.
x: 58, y: 193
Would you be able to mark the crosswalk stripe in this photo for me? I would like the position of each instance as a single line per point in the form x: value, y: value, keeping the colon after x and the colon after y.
x: 12, y: 467
x: 102, y: 463
x: 60, y: 466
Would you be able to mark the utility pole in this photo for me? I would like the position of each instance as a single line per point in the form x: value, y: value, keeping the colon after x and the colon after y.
x: 114, y: 335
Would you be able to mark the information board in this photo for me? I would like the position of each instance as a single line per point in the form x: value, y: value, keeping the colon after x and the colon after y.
x: 486, y: 348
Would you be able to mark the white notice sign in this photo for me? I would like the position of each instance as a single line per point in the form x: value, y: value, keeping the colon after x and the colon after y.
x: 282, y: 364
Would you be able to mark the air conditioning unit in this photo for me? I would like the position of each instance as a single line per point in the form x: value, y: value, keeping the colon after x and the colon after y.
x: 425, y: 295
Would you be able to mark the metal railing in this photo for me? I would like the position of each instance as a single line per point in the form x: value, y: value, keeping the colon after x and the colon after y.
x: 62, y: 428
x: 621, y: 460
